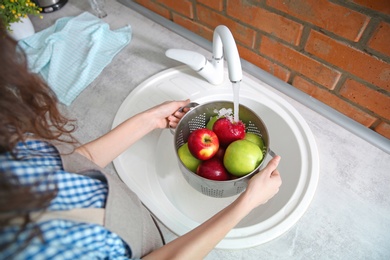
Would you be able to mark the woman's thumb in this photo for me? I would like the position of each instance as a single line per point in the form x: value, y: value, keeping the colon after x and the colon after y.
x: 272, y: 164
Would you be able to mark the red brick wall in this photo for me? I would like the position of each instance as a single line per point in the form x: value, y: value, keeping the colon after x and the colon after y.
x: 338, y: 51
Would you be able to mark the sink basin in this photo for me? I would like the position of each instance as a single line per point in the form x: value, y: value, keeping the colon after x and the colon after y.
x: 150, y: 167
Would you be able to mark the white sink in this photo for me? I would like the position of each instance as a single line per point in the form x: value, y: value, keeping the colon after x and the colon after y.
x: 151, y: 170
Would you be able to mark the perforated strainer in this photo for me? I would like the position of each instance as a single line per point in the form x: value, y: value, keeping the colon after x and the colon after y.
x: 197, y: 118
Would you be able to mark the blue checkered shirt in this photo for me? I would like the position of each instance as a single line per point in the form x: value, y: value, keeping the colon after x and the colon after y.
x: 62, y: 239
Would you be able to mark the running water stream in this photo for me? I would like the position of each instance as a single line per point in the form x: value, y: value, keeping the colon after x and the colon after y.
x: 236, y: 102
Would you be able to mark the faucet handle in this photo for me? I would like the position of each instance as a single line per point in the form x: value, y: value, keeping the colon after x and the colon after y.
x: 194, y: 60
x: 199, y: 63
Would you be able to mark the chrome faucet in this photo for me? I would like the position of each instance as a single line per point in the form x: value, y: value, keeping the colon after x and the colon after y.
x: 213, y: 70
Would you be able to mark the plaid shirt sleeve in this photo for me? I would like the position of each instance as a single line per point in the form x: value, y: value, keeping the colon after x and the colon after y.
x: 40, y: 162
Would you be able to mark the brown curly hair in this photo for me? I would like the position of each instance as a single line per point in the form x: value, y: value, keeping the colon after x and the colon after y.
x: 27, y: 106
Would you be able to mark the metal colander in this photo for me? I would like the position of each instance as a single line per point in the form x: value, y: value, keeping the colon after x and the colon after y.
x: 197, y: 118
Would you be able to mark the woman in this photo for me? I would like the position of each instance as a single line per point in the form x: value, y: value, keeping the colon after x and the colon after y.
x: 57, y: 200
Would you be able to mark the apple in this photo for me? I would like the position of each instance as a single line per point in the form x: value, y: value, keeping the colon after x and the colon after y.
x: 254, y: 138
x: 242, y: 157
x: 203, y: 143
x: 211, y: 122
x: 220, y: 153
x: 213, y: 169
x: 187, y: 158
x: 228, y: 131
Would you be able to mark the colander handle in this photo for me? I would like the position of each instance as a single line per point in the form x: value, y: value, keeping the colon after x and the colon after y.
x: 272, y: 153
x: 189, y: 105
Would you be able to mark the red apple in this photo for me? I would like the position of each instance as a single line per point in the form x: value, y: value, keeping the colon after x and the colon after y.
x: 213, y: 169
x: 203, y: 143
x: 220, y: 153
x: 228, y: 131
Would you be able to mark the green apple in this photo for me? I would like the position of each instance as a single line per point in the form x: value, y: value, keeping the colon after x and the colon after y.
x: 254, y: 138
x: 242, y: 157
x: 187, y: 158
x: 211, y: 122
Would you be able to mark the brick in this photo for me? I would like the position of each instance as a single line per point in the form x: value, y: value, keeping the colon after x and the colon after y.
x: 357, y: 62
x: 266, y: 21
x: 215, y: 4
x: 366, y: 97
x: 334, y: 18
x: 264, y: 64
x: 334, y: 101
x: 157, y: 8
x: 383, y: 129
x: 183, y: 7
x: 241, y: 33
x: 193, y: 26
x: 382, y: 6
x: 380, y: 40
x: 299, y: 62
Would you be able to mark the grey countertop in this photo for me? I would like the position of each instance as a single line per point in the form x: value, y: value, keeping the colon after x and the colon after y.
x: 349, y: 217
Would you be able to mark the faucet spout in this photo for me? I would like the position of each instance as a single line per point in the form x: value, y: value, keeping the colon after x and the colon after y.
x: 213, y: 70
x: 224, y: 44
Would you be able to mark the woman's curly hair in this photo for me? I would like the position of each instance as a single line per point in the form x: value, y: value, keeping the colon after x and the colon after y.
x: 28, y: 107
x: 27, y: 104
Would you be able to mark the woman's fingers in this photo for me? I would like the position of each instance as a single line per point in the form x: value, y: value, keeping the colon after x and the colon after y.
x: 272, y: 165
x: 174, y: 119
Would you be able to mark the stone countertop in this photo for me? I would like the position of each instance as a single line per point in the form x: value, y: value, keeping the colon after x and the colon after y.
x: 349, y: 217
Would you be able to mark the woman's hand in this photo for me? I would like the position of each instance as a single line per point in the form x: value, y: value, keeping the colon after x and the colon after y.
x: 167, y: 114
x: 264, y: 185
x: 197, y: 243
x: 107, y: 147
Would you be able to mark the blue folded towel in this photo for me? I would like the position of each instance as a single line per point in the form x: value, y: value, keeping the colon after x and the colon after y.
x: 70, y: 54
